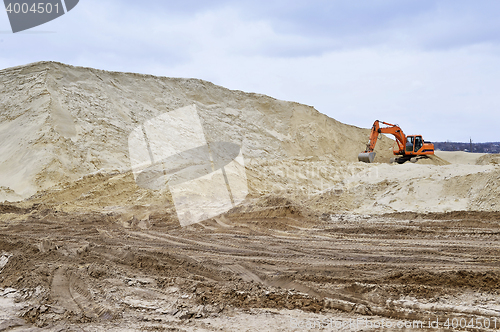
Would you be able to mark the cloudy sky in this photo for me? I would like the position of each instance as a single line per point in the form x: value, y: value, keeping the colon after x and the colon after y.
x: 433, y: 67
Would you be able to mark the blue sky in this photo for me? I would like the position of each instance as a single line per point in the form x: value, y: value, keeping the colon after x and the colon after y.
x: 433, y: 67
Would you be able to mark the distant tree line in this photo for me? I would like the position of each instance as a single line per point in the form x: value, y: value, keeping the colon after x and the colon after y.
x: 490, y: 147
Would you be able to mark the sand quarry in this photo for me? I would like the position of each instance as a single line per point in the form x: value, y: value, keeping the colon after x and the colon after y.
x: 321, y: 242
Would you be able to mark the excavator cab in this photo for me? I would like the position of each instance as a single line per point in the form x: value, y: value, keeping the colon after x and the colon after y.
x: 419, y: 142
x: 414, y: 143
x: 409, y: 144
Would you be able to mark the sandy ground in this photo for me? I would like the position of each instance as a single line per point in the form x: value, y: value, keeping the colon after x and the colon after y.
x: 460, y: 157
x: 266, y: 269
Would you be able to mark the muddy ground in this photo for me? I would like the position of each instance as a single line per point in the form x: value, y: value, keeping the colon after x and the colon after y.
x: 270, y: 265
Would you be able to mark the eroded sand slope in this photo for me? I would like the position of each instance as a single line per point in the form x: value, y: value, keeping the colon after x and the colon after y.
x: 59, y: 123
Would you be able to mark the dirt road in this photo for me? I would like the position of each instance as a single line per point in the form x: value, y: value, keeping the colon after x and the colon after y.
x: 266, y: 266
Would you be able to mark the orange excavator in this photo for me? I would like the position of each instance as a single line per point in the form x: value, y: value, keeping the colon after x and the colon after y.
x: 407, y: 146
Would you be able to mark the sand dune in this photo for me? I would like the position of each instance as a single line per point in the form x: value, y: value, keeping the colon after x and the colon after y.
x: 59, y: 123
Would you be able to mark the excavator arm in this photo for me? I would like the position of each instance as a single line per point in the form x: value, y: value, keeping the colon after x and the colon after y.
x: 368, y: 156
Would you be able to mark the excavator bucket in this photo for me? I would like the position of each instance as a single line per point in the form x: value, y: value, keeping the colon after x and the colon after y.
x: 366, y: 157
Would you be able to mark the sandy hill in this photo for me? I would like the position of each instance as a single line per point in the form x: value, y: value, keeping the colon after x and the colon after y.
x: 59, y: 123
x: 64, y: 134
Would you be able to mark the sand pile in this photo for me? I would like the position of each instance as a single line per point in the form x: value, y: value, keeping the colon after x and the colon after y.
x: 431, y: 160
x: 327, y: 186
x: 67, y: 129
x: 460, y: 157
x: 489, y: 159
x: 425, y: 188
x: 59, y: 123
